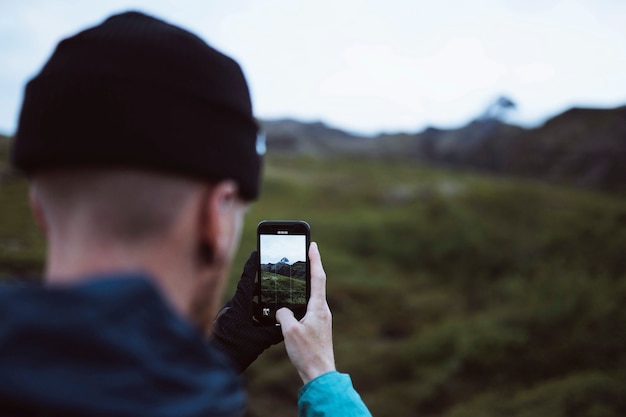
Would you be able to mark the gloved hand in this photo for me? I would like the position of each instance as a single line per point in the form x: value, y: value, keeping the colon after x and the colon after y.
x: 233, y: 331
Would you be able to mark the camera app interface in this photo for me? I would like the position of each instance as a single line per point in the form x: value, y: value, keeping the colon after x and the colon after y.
x: 283, y: 273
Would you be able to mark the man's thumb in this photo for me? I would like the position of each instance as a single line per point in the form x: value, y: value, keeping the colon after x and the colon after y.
x: 286, y: 318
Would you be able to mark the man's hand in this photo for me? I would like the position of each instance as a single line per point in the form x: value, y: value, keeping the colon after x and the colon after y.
x: 233, y: 331
x: 309, y: 342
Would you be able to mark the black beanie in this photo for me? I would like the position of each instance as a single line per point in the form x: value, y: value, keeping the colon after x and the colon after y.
x: 138, y: 92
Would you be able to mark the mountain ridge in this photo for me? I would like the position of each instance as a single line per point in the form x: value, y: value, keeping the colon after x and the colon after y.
x: 581, y: 146
x: 295, y: 270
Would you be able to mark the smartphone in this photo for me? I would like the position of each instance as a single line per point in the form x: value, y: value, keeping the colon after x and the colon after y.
x: 284, y: 272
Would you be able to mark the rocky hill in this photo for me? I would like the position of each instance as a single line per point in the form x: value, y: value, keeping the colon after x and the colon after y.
x: 295, y: 270
x: 291, y: 136
x: 585, y: 147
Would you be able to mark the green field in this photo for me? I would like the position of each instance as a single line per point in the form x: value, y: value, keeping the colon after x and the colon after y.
x: 282, y: 290
x: 453, y: 294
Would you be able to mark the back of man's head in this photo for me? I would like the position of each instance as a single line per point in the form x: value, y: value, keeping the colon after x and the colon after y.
x: 126, y: 123
x: 136, y: 92
x: 122, y: 207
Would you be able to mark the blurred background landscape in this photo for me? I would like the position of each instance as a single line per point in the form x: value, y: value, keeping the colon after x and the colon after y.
x: 477, y: 271
x: 472, y: 272
x: 462, y: 165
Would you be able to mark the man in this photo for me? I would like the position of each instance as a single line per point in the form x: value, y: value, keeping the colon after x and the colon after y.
x: 140, y: 144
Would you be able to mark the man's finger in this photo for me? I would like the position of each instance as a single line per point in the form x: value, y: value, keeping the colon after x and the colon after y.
x: 285, y: 317
x: 318, y: 276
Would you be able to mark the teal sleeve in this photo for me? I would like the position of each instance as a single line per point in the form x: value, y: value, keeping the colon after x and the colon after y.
x: 331, y: 394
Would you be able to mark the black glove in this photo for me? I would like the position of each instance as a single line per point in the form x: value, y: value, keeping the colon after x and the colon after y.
x: 233, y: 330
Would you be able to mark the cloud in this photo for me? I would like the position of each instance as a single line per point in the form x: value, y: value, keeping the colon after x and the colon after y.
x: 276, y: 247
x: 535, y: 73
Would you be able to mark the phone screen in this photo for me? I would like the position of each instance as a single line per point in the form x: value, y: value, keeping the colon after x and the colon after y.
x: 283, y: 275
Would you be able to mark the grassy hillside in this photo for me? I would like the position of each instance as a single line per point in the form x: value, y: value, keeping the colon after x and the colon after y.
x: 21, y: 244
x: 453, y: 294
x: 457, y: 295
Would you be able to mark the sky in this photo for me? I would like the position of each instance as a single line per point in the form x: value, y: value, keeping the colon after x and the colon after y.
x: 368, y: 66
x: 276, y: 247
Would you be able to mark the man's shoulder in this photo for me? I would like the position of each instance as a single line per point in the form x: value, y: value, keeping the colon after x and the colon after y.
x: 79, y: 346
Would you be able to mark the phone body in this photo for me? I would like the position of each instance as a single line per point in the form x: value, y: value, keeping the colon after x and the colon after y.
x: 284, y: 271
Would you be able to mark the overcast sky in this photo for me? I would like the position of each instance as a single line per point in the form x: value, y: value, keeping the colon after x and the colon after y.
x: 368, y: 66
x: 276, y: 247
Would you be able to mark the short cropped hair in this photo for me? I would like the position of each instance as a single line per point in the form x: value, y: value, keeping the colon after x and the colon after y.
x: 128, y: 206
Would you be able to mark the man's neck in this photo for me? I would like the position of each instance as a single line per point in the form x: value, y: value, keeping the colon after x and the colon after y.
x: 77, y: 260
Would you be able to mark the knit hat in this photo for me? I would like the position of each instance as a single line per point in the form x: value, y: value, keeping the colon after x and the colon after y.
x: 138, y: 92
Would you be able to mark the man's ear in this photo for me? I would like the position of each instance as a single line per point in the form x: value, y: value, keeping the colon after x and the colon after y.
x: 37, y: 210
x: 219, y: 228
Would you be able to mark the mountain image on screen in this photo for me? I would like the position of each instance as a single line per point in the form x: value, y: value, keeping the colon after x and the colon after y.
x: 283, y: 267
